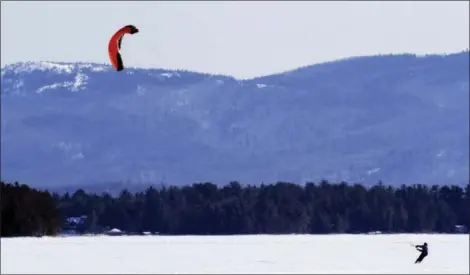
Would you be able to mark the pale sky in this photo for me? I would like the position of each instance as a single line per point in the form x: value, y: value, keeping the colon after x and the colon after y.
x: 242, y: 39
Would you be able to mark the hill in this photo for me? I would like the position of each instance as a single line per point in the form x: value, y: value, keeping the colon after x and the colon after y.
x: 395, y: 118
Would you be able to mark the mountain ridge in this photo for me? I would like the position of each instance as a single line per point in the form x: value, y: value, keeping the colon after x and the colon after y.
x: 107, y: 66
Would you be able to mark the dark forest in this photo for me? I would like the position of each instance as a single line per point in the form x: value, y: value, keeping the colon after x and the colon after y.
x: 208, y: 209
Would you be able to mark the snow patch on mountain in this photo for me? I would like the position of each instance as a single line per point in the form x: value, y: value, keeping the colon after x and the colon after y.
x: 18, y: 84
x: 94, y: 67
x: 373, y: 171
x: 164, y: 75
x: 170, y: 75
x: 78, y: 84
x: 52, y: 87
x: 24, y: 67
x: 56, y: 67
x: 72, y: 150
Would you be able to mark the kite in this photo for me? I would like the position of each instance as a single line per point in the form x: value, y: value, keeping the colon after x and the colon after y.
x: 115, y: 45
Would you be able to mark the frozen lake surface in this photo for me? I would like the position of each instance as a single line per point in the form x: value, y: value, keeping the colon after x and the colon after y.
x: 235, y: 254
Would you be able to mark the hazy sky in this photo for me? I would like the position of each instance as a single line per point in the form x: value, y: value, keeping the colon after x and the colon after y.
x: 243, y: 39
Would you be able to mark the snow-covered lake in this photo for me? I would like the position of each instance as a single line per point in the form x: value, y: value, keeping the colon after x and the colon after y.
x: 235, y: 254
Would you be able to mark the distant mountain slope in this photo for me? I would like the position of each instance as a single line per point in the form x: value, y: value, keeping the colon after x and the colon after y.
x: 396, y: 118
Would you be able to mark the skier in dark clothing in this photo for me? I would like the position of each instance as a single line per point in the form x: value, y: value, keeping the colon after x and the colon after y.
x: 424, y: 252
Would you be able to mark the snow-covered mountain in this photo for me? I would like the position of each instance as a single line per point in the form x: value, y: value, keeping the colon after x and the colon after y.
x: 395, y: 118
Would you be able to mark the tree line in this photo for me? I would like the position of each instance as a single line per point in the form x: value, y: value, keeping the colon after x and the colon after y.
x: 205, y: 208
x: 27, y: 212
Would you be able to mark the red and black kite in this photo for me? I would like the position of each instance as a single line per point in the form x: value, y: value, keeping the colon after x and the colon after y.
x: 115, y: 45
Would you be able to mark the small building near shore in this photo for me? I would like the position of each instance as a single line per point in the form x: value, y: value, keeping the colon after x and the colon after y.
x: 115, y: 232
x: 461, y: 229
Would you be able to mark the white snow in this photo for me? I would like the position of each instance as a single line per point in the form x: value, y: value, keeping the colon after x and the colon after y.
x: 261, y: 86
x: 51, y: 87
x: 71, y: 150
x: 40, y: 66
x: 66, y: 68
x: 18, y: 84
x: 167, y: 75
x: 58, y: 67
x: 373, y: 171
x: 352, y: 254
x: 94, y: 67
x: 80, y: 81
x: 78, y: 84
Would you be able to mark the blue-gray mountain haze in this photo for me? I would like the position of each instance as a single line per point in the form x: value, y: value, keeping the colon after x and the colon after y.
x: 402, y: 119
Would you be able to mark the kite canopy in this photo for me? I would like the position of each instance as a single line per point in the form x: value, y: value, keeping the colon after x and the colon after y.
x: 115, y: 45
